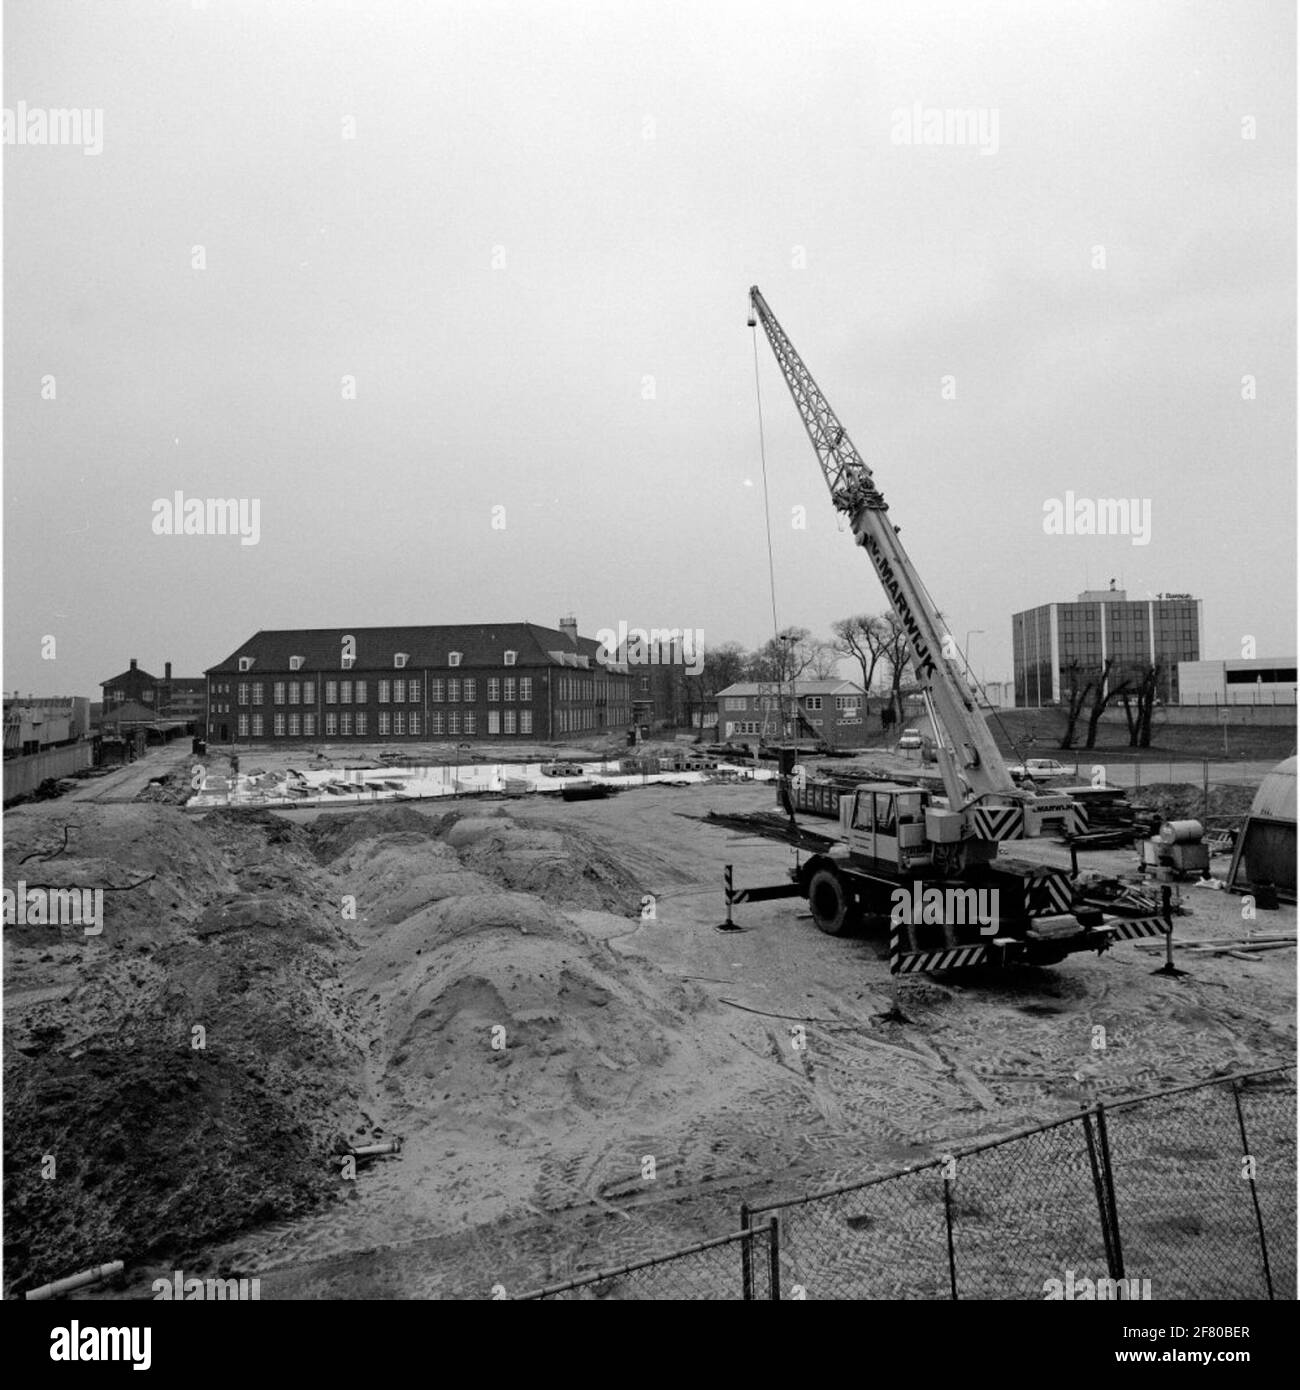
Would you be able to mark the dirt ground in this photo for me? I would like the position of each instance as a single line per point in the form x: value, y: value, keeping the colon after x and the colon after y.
x: 533, y: 995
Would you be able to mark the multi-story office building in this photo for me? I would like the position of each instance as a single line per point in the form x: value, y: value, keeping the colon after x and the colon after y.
x: 1054, y: 641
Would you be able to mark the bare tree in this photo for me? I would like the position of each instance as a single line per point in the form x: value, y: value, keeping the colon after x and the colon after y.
x: 864, y: 638
x: 824, y: 660
x: 783, y: 658
x: 897, y: 656
x: 1103, y: 694
x: 1076, y: 698
x: 1139, y: 706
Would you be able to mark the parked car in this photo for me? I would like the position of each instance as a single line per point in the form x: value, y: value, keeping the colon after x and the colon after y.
x: 910, y: 739
x: 1038, y: 768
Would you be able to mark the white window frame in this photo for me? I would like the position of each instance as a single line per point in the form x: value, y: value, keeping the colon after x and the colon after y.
x: 511, y: 658
x: 399, y: 660
x: 295, y: 663
x: 453, y: 658
x: 246, y: 663
x: 494, y: 721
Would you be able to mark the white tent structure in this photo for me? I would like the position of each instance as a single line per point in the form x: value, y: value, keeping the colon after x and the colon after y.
x: 1266, y: 848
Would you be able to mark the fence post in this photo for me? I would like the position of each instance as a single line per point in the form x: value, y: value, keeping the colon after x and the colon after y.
x: 947, y: 1217
x: 746, y: 1257
x: 1103, y: 1201
x: 1108, y: 1178
x: 1254, y: 1191
x: 774, y: 1257
x: 728, y: 925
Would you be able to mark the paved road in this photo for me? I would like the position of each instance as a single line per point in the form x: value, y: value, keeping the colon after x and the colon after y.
x: 125, y: 783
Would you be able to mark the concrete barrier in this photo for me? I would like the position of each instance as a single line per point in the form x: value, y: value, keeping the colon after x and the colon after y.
x: 23, y: 775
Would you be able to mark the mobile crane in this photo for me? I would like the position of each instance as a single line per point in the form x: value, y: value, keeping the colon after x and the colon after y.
x: 895, y: 836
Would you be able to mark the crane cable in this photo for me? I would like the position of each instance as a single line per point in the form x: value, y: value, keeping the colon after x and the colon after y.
x: 767, y: 519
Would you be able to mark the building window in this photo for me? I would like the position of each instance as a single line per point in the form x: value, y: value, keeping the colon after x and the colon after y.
x: 399, y: 660
x: 277, y: 692
x: 471, y: 689
x: 309, y: 725
x: 812, y: 701
x: 345, y: 692
x: 399, y: 721
x: 383, y: 722
x: 453, y: 658
x: 494, y: 687
x: 399, y: 692
x: 435, y: 722
x: 413, y: 721
x: 847, y: 702
x: 453, y: 691
x: 243, y: 726
x: 509, y: 695
x: 361, y: 692
x: 347, y: 663
x: 413, y: 691
x: 257, y: 692
x: 525, y: 687
x: 453, y: 721
x: 384, y: 688
x: 331, y: 724
x: 277, y: 725
x: 295, y: 725
x: 737, y: 702
x: 494, y: 721
x: 470, y: 722
x: 510, y: 658
x: 257, y: 726
x: 295, y: 663
x: 435, y: 691
x: 295, y: 692
x: 243, y: 692
x: 345, y: 723
x: 245, y: 663
x: 361, y: 723
x: 525, y: 721
x: 510, y: 721
x: 309, y: 692
x: 331, y: 692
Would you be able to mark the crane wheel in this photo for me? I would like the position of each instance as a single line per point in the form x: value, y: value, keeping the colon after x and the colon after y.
x: 831, y: 903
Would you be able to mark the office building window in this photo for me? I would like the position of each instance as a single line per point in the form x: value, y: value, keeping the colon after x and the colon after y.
x: 435, y: 691
x: 399, y: 692
x: 470, y: 721
x: 295, y: 725
x: 295, y: 692
x: 453, y: 721
x: 399, y: 660
x: 399, y: 722
x: 361, y: 692
x: 277, y: 693
x: 453, y: 658
x: 243, y: 693
x: 295, y: 663
x: 384, y: 689
x: 383, y: 722
x: 309, y: 692
x: 525, y: 687
x: 331, y: 693
x: 257, y: 726
x: 331, y: 724
x: 309, y: 725
x: 413, y: 691
x: 453, y: 691
x: 494, y: 687
x: 413, y: 721
x: 345, y: 723
x: 277, y: 726
x: 243, y: 726
x: 510, y: 658
x: 509, y: 696
x: 257, y: 692
x: 510, y: 721
x: 345, y: 692
x: 435, y: 721
x: 361, y: 723
x: 494, y: 721
x: 525, y: 721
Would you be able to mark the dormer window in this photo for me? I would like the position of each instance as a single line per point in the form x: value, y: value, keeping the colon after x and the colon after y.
x: 399, y: 660
x: 511, y: 658
x: 245, y: 663
x: 295, y: 663
x: 349, y: 662
x: 453, y: 658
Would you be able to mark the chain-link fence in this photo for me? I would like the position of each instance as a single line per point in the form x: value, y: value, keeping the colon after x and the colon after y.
x: 1189, y: 1193
x: 741, y: 1266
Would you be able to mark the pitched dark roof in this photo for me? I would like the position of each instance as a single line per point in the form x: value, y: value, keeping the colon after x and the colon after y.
x: 133, y: 712
x: 127, y: 674
x: 480, y: 644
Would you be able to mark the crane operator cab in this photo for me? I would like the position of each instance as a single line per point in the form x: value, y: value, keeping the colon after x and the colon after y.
x: 885, y: 823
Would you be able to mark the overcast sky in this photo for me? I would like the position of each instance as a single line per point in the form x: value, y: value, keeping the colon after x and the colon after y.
x: 527, y: 232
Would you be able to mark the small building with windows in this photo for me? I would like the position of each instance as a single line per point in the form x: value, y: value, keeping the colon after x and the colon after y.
x: 466, y: 683
x: 833, y: 710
